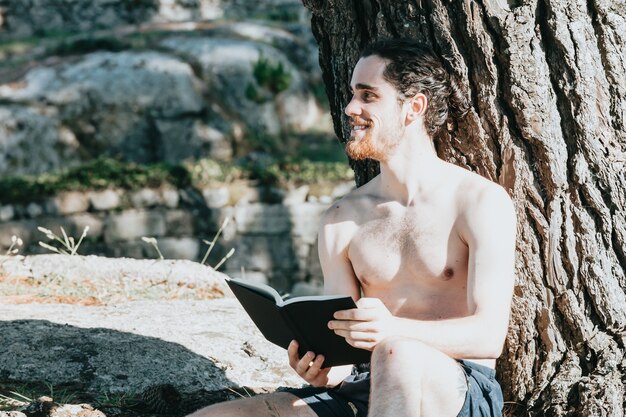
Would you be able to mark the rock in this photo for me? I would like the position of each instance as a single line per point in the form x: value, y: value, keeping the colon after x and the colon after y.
x: 342, y: 189
x: 302, y: 289
x: 170, y: 197
x: 179, y: 223
x: 82, y: 220
x: 32, y: 142
x: 93, y: 275
x: 34, y: 210
x: 146, y: 197
x: 216, y: 197
x: 113, y: 100
x: 6, y: 213
x: 180, y: 248
x: 134, y: 224
x: 306, y: 231
x: 325, y: 199
x: 69, y: 202
x: 24, y: 229
x: 296, y: 195
x: 193, y: 346
x: 228, y: 70
x: 105, y: 199
x: 262, y: 218
x: 32, y: 17
x: 12, y: 414
x: 254, y: 276
x: 262, y: 253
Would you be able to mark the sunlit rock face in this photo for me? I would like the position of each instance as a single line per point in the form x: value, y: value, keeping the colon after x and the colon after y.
x: 19, y: 18
x: 190, y: 94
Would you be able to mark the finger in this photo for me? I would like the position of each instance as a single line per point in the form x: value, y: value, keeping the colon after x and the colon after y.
x: 345, y: 314
x: 359, y: 344
x: 304, y: 363
x: 357, y: 336
x: 358, y: 314
x: 292, y: 351
x: 315, y: 367
x: 321, y: 379
x: 359, y: 326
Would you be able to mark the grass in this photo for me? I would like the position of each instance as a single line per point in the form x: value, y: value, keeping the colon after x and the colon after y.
x: 55, y: 288
x: 323, y: 165
x: 97, y: 174
x: 16, y: 395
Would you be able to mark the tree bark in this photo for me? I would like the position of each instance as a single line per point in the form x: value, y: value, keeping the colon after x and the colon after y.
x: 547, y: 83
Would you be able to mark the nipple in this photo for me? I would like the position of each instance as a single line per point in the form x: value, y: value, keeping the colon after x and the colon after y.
x: 448, y: 273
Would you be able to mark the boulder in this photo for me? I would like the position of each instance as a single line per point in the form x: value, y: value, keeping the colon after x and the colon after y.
x: 146, y: 106
x: 228, y: 70
x: 199, y: 350
x: 33, y: 17
x: 129, y: 273
x: 32, y: 142
x: 172, y: 354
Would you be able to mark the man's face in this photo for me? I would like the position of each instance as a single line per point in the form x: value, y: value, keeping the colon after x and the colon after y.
x: 376, y: 116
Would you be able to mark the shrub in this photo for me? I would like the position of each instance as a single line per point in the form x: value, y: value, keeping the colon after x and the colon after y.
x: 272, y: 76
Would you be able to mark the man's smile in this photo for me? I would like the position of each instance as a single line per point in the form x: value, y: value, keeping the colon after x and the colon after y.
x: 359, y: 126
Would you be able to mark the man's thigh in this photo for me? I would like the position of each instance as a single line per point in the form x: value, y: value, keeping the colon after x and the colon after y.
x: 279, y: 404
x: 444, y: 386
x: 422, y: 376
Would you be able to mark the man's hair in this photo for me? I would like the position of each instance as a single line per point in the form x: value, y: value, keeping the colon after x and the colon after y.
x: 414, y: 68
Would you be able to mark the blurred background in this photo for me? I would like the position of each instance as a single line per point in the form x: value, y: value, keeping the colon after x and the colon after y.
x: 156, y: 127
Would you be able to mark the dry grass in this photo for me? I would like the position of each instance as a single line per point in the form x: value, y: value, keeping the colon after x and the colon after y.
x: 88, y: 292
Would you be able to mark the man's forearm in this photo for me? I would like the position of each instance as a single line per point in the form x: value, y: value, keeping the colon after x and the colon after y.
x: 469, y: 337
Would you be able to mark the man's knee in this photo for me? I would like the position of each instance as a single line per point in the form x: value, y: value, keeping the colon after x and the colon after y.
x: 403, y: 353
x: 400, y: 348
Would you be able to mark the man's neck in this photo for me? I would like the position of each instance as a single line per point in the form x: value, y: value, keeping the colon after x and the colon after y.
x: 410, y: 172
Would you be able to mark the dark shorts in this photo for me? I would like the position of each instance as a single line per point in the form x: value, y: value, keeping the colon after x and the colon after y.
x: 351, y: 397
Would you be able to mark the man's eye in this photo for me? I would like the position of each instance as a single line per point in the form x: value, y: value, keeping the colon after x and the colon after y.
x: 367, y: 96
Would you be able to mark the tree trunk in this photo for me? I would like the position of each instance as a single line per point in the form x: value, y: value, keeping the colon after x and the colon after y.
x: 547, y: 83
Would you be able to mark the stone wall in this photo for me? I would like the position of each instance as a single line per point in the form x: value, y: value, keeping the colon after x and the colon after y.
x: 273, y: 231
x: 35, y: 17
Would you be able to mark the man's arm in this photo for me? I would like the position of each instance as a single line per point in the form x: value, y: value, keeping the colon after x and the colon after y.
x: 339, y: 279
x: 488, y: 226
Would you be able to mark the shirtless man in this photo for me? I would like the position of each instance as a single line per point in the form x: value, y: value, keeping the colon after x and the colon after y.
x: 427, y: 250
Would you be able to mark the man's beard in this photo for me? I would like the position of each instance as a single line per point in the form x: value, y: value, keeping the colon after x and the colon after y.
x: 378, y: 148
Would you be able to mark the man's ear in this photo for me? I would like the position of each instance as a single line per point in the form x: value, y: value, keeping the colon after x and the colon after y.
x: 417, y: 107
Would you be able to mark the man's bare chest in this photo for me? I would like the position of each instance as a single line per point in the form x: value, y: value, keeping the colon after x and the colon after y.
x: 422, y: 246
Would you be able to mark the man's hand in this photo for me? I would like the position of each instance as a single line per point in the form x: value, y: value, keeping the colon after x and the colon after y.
x: 366, y: 326
x: 309, y: 367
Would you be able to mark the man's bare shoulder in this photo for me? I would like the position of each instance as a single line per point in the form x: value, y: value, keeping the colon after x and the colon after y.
x: 349, y: 206
x: 481, y: 201
x: 475, y: 190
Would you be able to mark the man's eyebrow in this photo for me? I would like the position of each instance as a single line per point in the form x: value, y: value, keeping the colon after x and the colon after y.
x: 361, y: 86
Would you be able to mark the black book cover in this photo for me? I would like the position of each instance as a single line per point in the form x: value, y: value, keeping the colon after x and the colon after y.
x: 304, y: 319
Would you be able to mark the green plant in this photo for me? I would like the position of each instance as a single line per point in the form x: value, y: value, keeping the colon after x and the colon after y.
x: 89, y: 44
x: 117, y: 400
x: 253, y: 94
x: 10, y: 400
x: 69, y: 246
x: 94, y: 175
x: 272, y: 76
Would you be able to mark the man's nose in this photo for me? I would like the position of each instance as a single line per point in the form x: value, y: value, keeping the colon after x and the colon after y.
x: 352, y: 108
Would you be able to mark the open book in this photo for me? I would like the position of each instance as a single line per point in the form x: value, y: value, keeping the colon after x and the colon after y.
x: 304, y: 319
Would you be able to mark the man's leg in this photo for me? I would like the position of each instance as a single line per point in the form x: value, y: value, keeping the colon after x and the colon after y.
x: 279, y: 404
x: 410, y: 378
